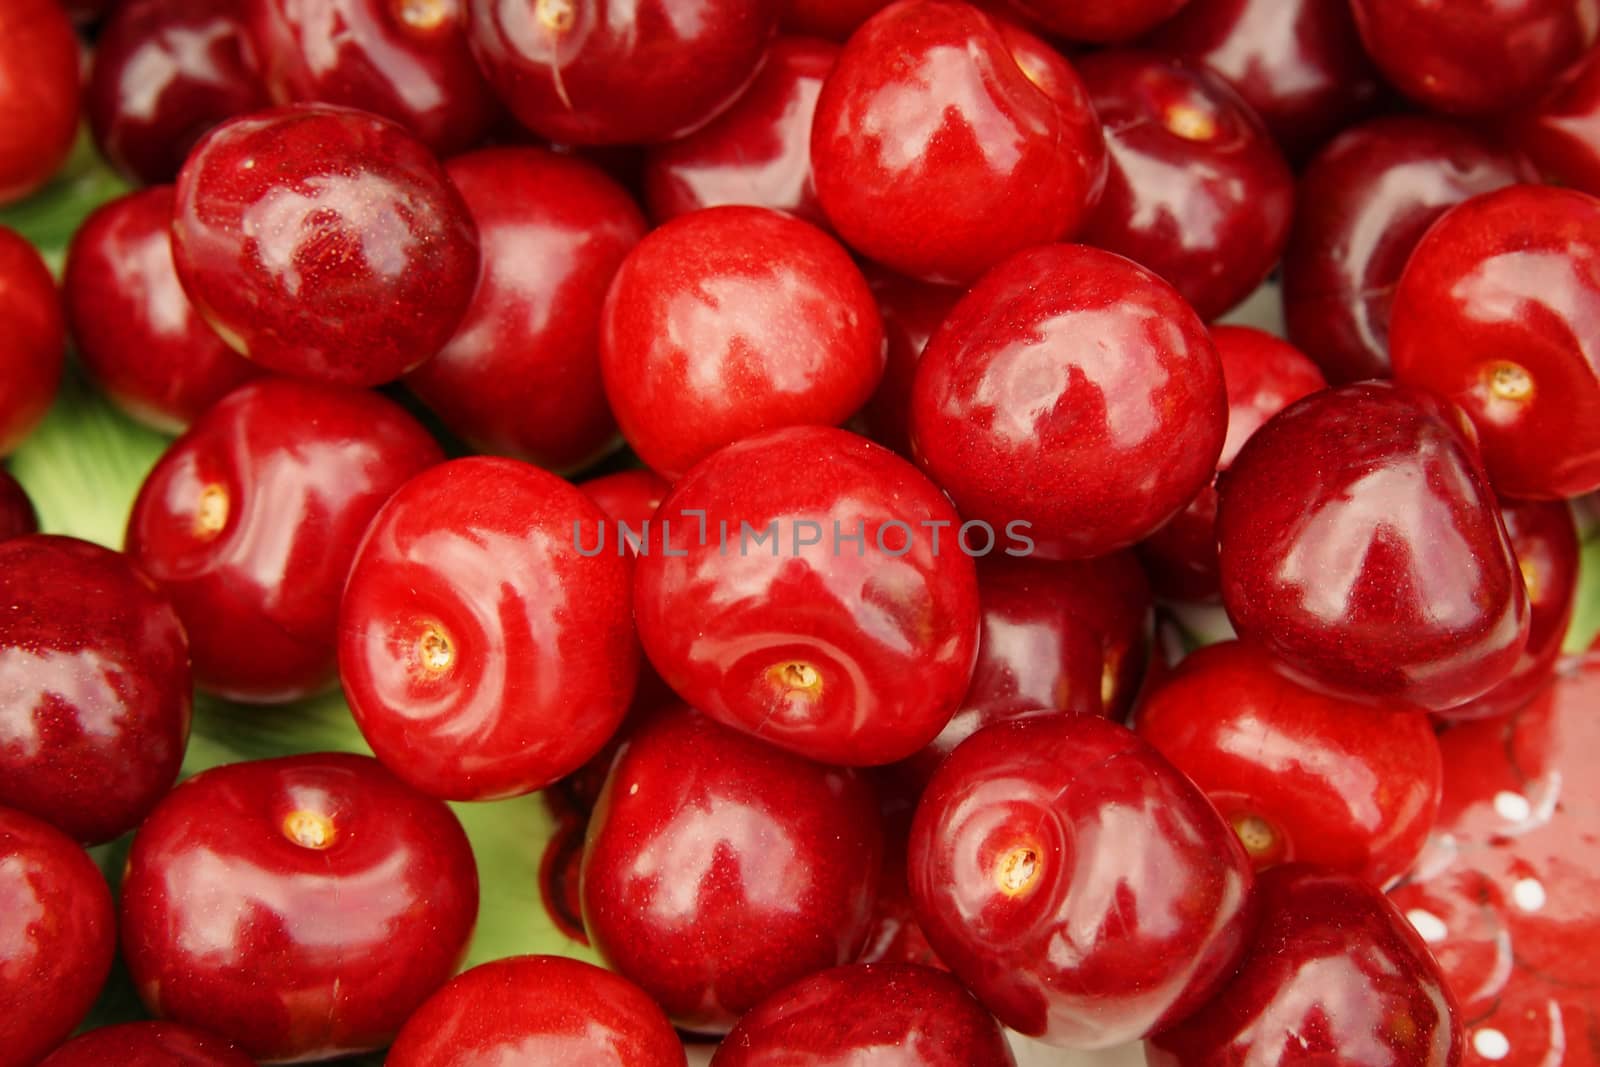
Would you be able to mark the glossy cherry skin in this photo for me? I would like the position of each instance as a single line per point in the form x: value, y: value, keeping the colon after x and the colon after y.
x: 34, y: 351
x: 1299, y: 64
x: 521, y: 376
x: 1361, y: 546
x: 696, y: 828
x: 1196, y: 190
x: 1101, y: 23
x: 39, y: 101
x: 405, y: 61
x: 346, y: 900
x: 136, y: 332
x: 165, y: 72
x: 1479, y: 57
x: 324, y: 243
x: 250, y: 522
x: 911, y: 312
x: 731, y: 321
x: 1074, y: 391
x: 1499, y: 310
x: 896, y: 937
x: 834, y: 19
x: 147, y: 1044
x: 850, y: 1015
x: 1363, y: 204
x: 95, y: 667
x: 1076, y: 882
x: 945, y: 140
x: 847, y: 633
x: 1559, y: 132
x: 16, y: 510
x: 1263, y: 375
x: 1334, y: 975
x: 538, y: 1009
x: 619, y: 71
x: 628, y: 497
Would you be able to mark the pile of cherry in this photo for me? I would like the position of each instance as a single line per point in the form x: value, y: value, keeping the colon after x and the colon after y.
x: 906, y: 312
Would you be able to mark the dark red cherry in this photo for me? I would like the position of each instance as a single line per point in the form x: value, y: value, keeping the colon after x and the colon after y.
x: 629, y: 498
x: 1196, y: 190
x: 521, y: 376
x: 324, y: 242
x: 1334, y: 975
x: 1559, y: 133
x: 136, y: 332
x: 833, y: 19
x: 719, y: 869
x: 1049, y: 398
x: 1363, y: 204
x: 1078, y: 884
x: 895, y: 936
x: 731, y: 321
x: 147, y: 1044
x: 911, y: 312
x: 250, y: 521
x: 301, y: 907
x: 34, y: 350
x: 945, y: 140
x: 619, y: 71
x: 406, y: 60
x: 1101, y: 22
x: 39, y: 83
x: 1360, y: 545
x: 852, y: 1014
x: 165, y: 72
x: 1499, y: 310
x: 1476, y: 57
x: 835, y: 606
x: 16, y: 510
x: 538, y: 1009
x: 95, y: 667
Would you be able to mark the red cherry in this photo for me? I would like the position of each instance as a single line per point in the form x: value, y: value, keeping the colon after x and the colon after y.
x: 1103, y: 22
x: 521, y: 376
x: 16, y: 510
x: 627, y: 497
x: 944, y: 141
x: 895, y: 936
x: 300, y: 907
x: 324, y: 242
x: 911, y: 312
x: 720, y: 869
x: 833, y: 19
x: 147, y: 1044
x: 1361, y: 546
x: 731, y: 321
x: 57, y: 936
x: 250, y: 521
x: 39, y: 83
x: 34, y: 351
x: 1048, y: 398
x: 1558, y: 133
x: 1078, y: 884
x: 1499, y: 310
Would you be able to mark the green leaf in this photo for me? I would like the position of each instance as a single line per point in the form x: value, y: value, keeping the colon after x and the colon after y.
x: 51, y: 216
x: 1585, y: 625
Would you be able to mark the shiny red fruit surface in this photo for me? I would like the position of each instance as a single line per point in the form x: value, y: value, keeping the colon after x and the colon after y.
x: 833, y: 19
x: 1361, y: 546
x: 1101, y: 22
x: 696, y: 827
x: 147, y: 1044
x: 628, y: 498
x: 324, y: 243
x: 1051, y: 397
x: 1499, y: 310
x: 39, y: 95
x: 16, y: 510
x: 250, y: 522
x: 34, y: 329
x: 521, y: 377
x: 538, y: 1009
x: 1561, y: 133
x: 945, y: 140
x: 1334, y: 975
x: 911, y: 311
x: 835, y: 608
x: 300, y: 907
x: 57, y: 936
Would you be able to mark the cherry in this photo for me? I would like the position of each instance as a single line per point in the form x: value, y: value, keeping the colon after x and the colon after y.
x: 833, y: 19
x: 16, y: 510
x: 1558, y: 133
x: 521, y: 376
x: 324, y: 242
x: 301, y: 907
x: 1361, y: 546
x: 697, y: 826
x: 1076, y: 882
x: 250, y: 521
x: 629, y: 498
x: 1100, y: 22
x: 1499, y: 310
x: 1334, y: 975
x: 34, y: 351
x: 165, y: 72
x: 945, y: 140
x: 543, y: 1009
x: 619, y: 71
x: 1263, y: 375
x: 406, y: 60
x: 147, y: 1044
x: 851, y: 1014
x: 835, y: 607
x: 895, y: 936
x: 38, y: 95
x: 1050, y: 398
x: 730, y: 321
x: 911, y: 312
x: 136, y: 332
x: 1364, y: 203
